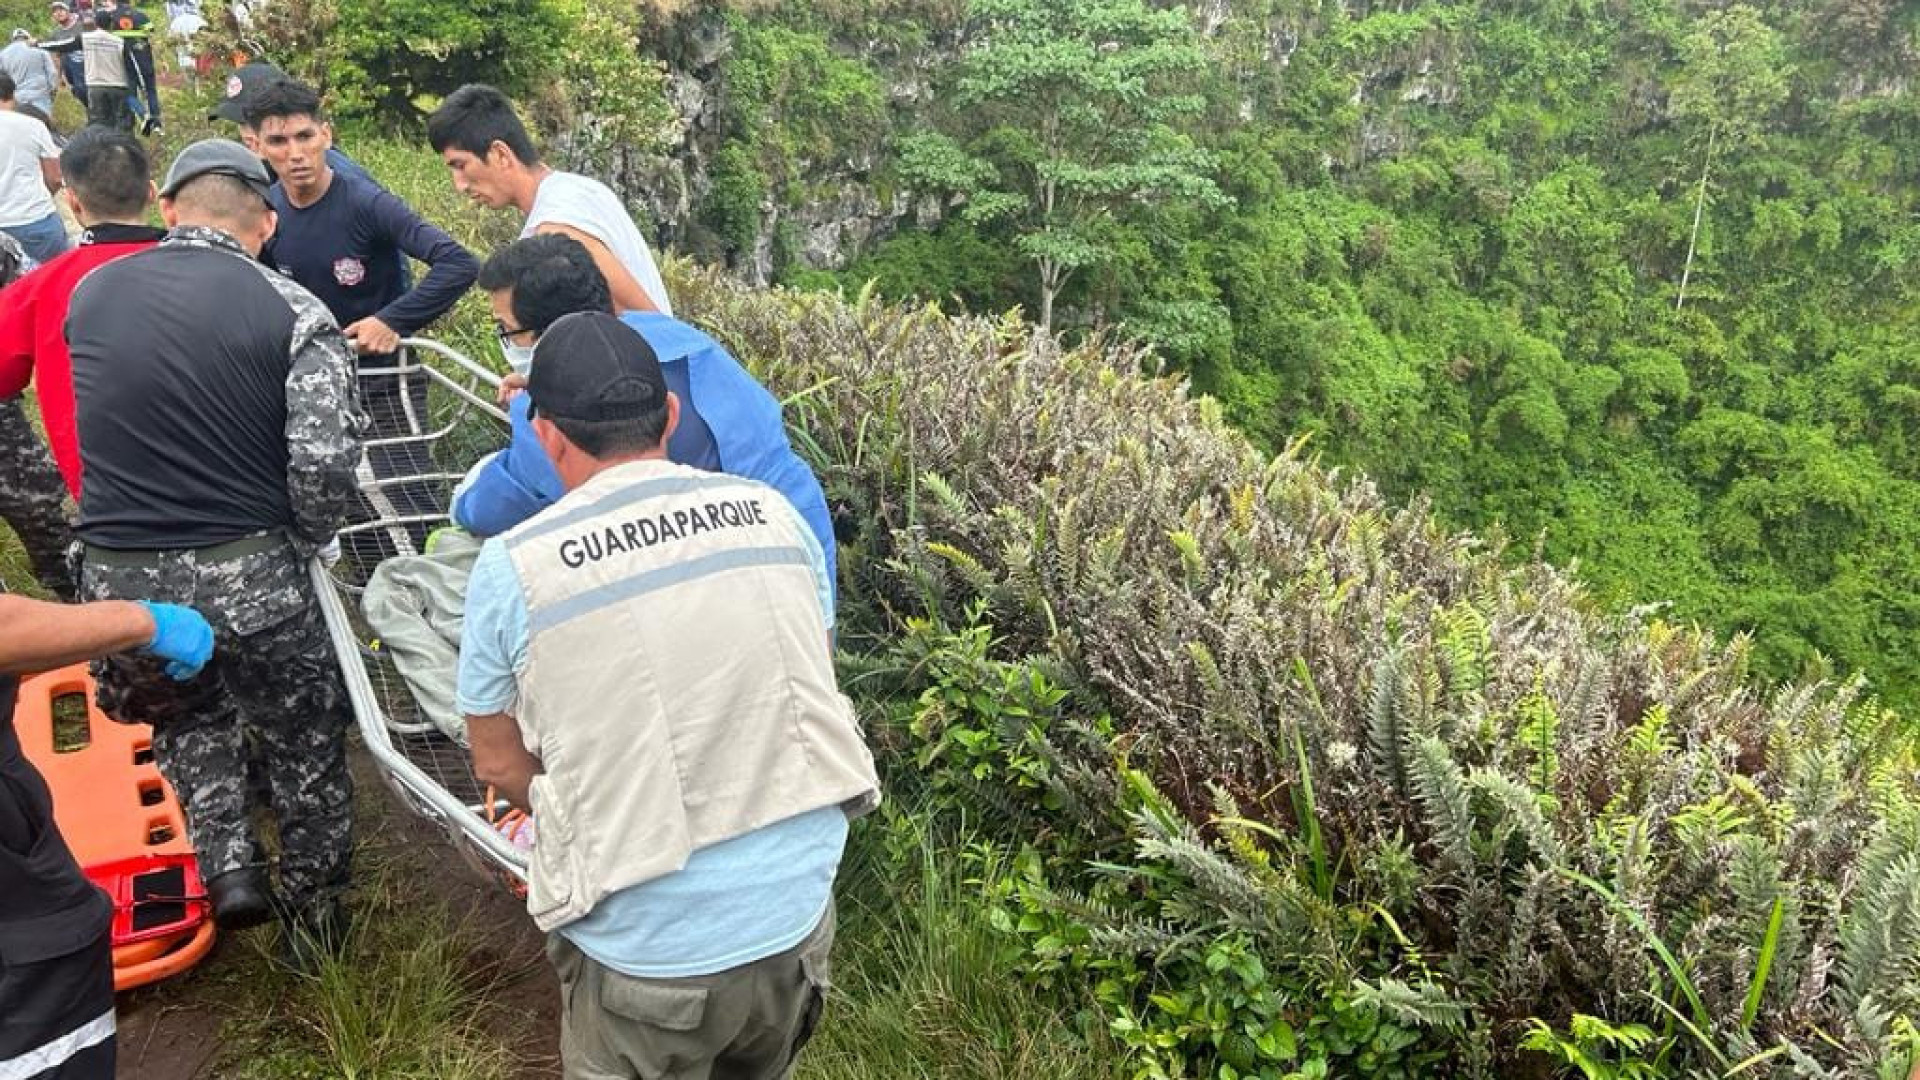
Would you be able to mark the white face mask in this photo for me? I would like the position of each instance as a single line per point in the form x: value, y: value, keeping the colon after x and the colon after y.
x: 519, y: 357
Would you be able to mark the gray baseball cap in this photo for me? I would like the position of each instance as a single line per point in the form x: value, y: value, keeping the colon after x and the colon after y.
x: 221, y: 156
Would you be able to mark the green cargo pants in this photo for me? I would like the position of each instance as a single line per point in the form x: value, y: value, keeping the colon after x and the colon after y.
x: 745, y: 1023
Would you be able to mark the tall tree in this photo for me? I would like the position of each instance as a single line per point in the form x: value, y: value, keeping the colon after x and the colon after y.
x: 1733, y: 74
x: 1067, y: 116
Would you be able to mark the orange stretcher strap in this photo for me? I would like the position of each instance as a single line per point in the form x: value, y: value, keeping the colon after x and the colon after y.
x: 507, y: 824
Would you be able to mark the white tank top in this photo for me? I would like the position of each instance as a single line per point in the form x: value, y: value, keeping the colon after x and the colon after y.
x: 581, y: 202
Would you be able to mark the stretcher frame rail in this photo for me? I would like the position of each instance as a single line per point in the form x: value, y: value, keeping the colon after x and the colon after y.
x: 413, y: 757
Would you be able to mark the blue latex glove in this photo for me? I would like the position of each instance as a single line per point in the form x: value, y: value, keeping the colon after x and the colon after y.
x: 181, y: 637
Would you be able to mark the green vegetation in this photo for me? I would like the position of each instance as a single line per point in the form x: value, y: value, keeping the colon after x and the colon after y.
x: 1630, y: 283
x: 576, y: 62
x: 925, y: 980
x: 1070, y: 110
x: 378, y: 57
x: 1303, y: 785
x: 405, y: 1004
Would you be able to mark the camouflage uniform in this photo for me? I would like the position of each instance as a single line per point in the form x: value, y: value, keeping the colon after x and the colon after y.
x: 33, y: 500
x: 272, y: 697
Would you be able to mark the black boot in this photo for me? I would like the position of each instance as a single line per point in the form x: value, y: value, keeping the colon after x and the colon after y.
x: 314, y: 934
x: 241, y: 898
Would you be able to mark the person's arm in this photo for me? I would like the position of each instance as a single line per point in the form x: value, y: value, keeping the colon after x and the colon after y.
x: 36, y: 635
x: 16, y: 338
x: 500, y: 759
x: 510, y: 486
x: 324, y: 423
x: 49, y: 158
x: 493, y: 650
x: 628, y: 295
x: 490, y: 499
x: 823, y: 584
x: 451, y: 269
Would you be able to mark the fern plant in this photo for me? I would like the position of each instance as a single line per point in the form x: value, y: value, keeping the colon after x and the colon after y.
x: 1355, y: 724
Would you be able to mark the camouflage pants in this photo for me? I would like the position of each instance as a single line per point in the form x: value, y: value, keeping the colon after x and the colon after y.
x: 271, y: 701
x: 33, y: 498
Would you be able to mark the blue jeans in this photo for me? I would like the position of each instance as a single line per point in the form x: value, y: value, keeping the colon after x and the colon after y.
x: 43, y: 239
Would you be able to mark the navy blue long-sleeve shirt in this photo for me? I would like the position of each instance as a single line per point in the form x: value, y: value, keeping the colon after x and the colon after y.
x: 348, y: 247
x: 346, y: 166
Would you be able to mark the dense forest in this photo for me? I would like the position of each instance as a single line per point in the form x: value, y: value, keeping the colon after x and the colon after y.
x: 1629, y: 280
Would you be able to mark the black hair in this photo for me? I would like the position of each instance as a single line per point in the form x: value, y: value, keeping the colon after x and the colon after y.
x: 604, y: 439
x: 475, y: 117
x: 551, y: 275
x: 282, y: 97
x: 6, y: 87
x: 13, y: 260
x: 108, y: 171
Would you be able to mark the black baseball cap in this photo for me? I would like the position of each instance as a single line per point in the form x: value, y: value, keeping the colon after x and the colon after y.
x: 591, y: 366
x: 246, y: 81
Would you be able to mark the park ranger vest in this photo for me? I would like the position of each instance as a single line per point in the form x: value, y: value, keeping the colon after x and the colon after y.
x: 679, y: 686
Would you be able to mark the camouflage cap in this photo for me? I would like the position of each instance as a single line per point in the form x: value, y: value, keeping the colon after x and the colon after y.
x: 222, y: 157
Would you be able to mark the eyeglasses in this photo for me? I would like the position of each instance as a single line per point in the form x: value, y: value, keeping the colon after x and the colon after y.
x: 506, y: 334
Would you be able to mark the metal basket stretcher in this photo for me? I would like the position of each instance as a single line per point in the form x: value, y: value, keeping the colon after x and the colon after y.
x: 460, y: 422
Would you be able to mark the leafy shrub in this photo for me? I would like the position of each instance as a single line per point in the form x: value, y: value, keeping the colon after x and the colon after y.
x: 604, y: 99
x: 577, y: 62
x: 1312, y: 786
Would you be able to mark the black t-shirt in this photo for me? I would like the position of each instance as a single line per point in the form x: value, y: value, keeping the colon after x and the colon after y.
x: 180, y: 362
x: 48, y: 908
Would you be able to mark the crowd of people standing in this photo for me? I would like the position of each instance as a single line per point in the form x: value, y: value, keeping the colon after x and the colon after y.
x: 648, y: 663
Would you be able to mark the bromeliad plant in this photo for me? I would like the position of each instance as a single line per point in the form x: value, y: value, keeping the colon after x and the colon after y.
x: 1318, y: 787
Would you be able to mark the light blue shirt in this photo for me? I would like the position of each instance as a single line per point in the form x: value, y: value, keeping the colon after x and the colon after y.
x: 734, y: 902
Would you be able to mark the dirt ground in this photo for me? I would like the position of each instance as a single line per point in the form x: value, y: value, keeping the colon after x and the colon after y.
x: 172, y: 1031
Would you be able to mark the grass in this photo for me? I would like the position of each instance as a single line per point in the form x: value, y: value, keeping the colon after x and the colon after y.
x: 926, y: 987
x: 404, y: 1003
x: 419, y: 995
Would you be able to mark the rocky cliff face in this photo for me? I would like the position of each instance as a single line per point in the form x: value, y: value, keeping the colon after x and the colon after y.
x: 814, y: 210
